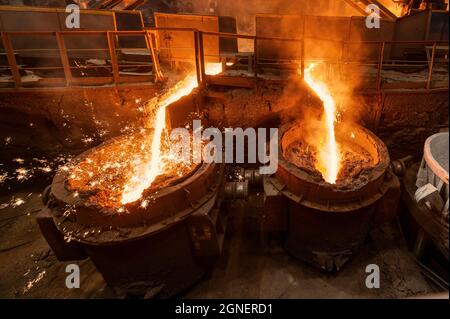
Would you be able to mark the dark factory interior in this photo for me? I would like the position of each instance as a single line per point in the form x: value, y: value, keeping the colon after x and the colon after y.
x: 209, y: 149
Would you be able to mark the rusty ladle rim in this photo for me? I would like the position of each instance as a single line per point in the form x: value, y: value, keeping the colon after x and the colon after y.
x: 203, y: 181
x: 299, y: 186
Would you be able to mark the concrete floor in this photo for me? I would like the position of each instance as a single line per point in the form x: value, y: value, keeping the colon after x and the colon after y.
x: 28, y: 268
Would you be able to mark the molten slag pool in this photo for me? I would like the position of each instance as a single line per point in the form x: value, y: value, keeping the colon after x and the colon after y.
x: 100, y: 176
x: 360, y: 152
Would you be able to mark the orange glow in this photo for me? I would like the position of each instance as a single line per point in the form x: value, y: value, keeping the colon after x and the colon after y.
x: 147, y: 171
x: 213, y: 68
x: 329, y: 159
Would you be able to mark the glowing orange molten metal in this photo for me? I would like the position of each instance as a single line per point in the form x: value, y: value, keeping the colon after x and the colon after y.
x: 329, y: 159
x: 147, y: 171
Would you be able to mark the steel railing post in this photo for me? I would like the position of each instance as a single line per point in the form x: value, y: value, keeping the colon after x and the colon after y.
x: 430, y: 72
x: 11, y: 60
x: 64, y: 58
x: 112, y: 53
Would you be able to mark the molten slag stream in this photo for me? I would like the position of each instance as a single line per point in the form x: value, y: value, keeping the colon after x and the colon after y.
x: 329, y: 159
x: 144, y: 175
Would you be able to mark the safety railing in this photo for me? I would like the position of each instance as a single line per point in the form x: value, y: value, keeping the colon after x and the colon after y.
x: 374, y: 53
x: 73, y: 58
x: 65, y: 47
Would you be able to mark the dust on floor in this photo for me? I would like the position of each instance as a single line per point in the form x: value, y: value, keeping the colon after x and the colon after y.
x: 28, y: 268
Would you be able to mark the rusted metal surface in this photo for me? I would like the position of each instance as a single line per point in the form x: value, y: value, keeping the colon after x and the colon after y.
x: 160, y: 265
x: 174, y: 202
x: 325, y: 196
x: 321, y: 32
x: 152, y: 251
x: 326, y: 239
x: 177, y: 45
x: 64, y: 251
x: 323, y: 224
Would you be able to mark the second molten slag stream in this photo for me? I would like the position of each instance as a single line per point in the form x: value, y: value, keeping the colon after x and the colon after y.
x: 144, y: 175
x: 329, y: 159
